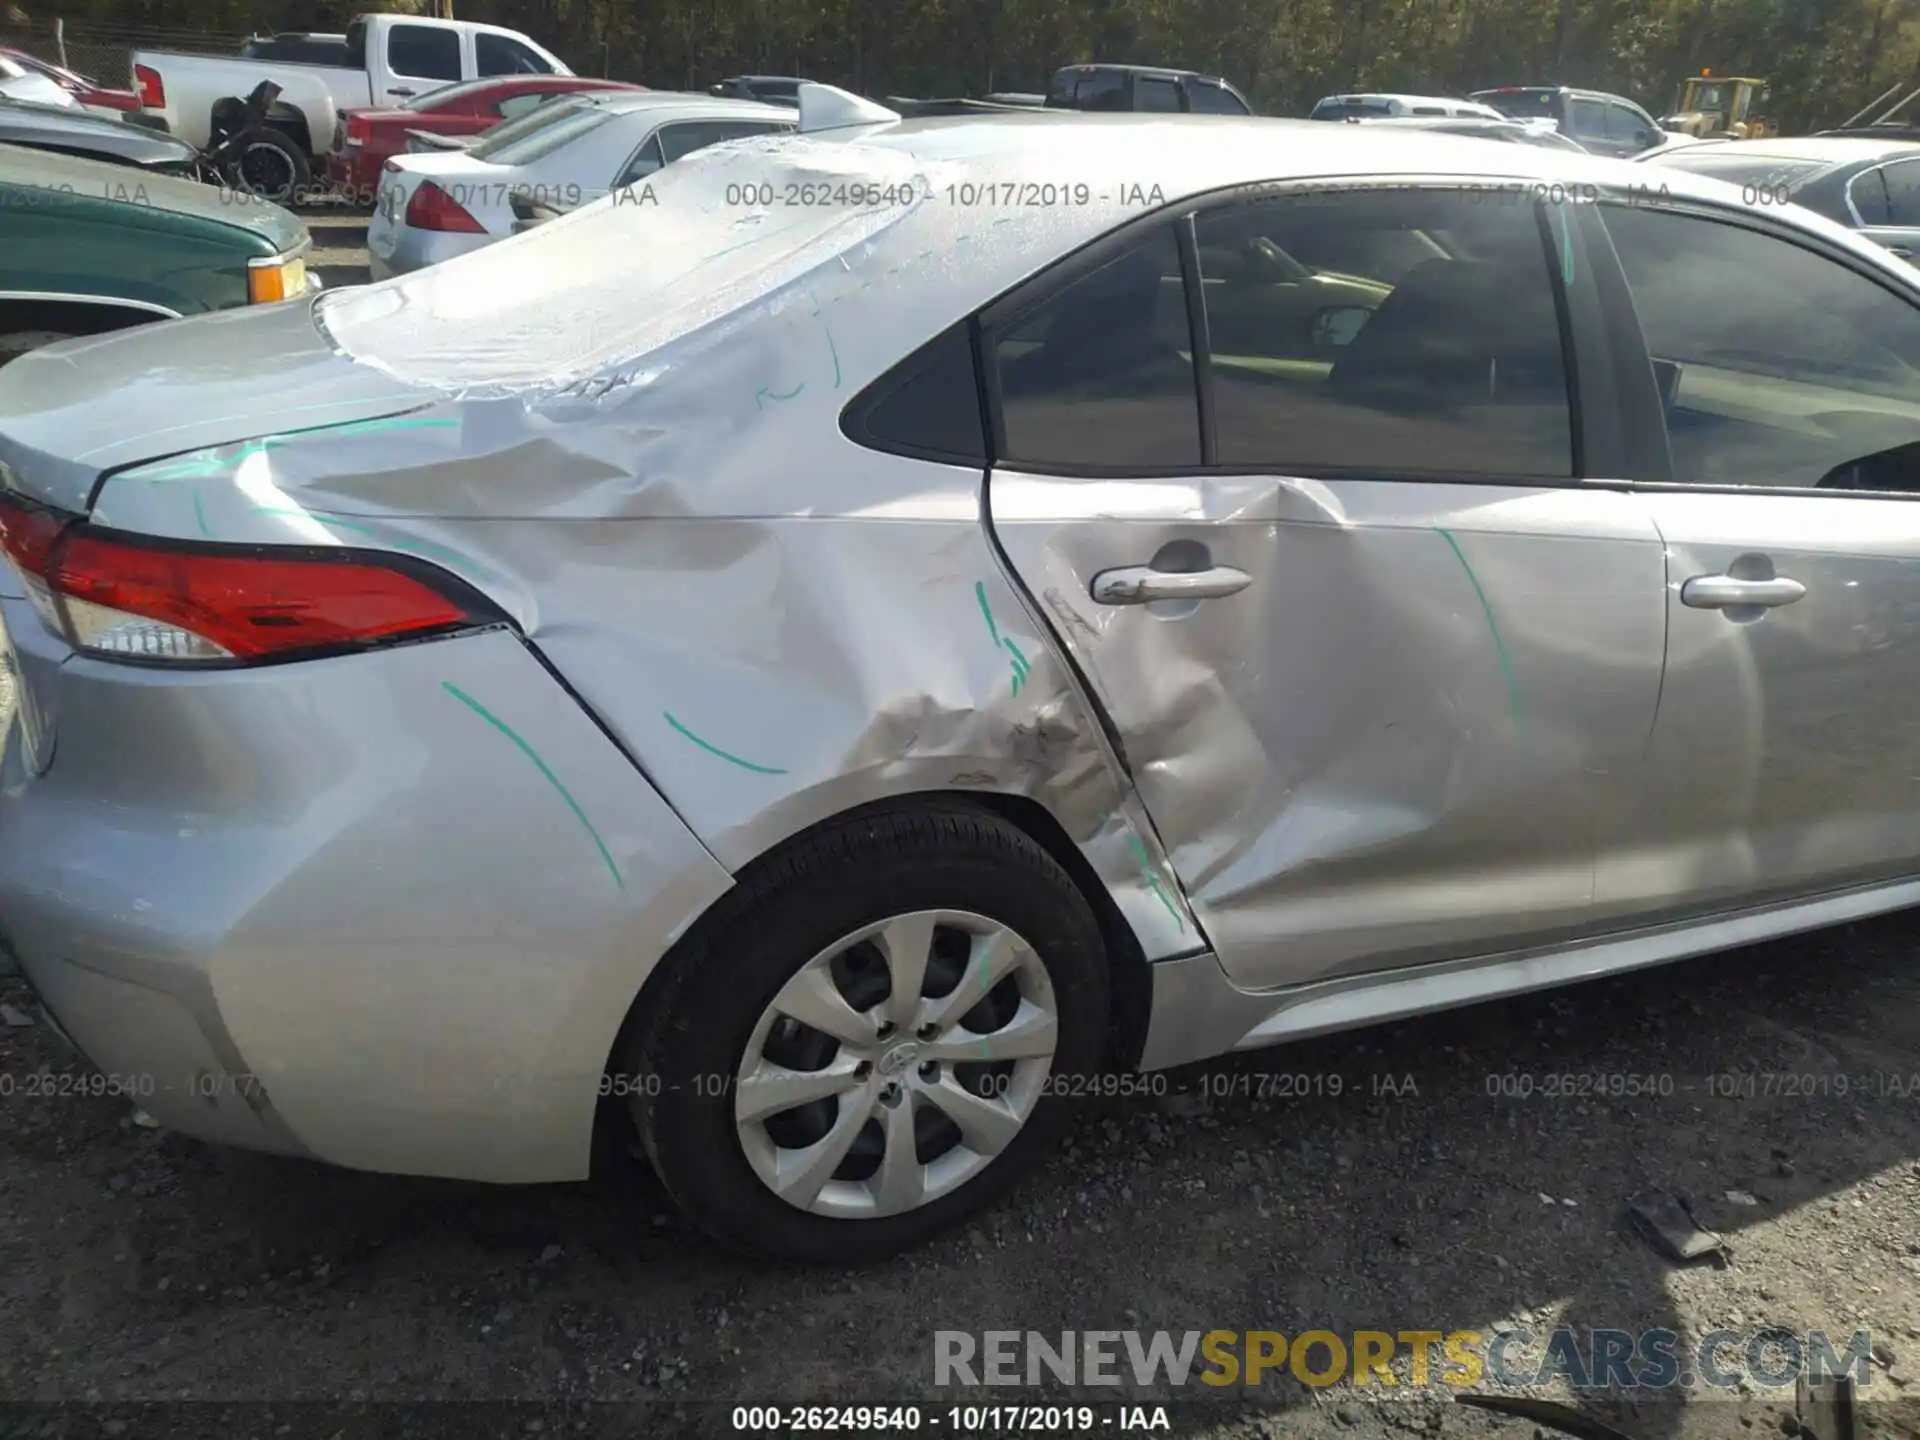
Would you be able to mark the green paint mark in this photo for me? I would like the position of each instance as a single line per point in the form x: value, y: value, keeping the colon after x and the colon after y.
x: 1153, y: 880
x: 200, y: 516
x: 986, y: 610
x: 552, y: 779
x: 763, y: 394
x: 716, y: 750
x: 832, y: 348
x: 1021, y: 667
x: 1493, y: 628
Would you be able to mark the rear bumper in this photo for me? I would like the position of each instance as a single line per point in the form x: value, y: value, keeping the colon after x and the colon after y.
x: 395, y: 249
x: 334, y: 909
x: 356, y: 174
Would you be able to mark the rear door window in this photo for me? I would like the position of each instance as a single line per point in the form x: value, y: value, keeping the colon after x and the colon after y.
x: 1160, y: 96
x: 1867, y: 192
x: 1329, y: 351
x: 1100, y: 373
x: 422, y: 52
x: 1903, y: 193
x: 1101, y: 90
x: 1780, y: 366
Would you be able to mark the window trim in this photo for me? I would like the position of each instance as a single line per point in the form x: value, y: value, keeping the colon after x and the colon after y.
x: 1600, y: 436
x: 1624, y: 328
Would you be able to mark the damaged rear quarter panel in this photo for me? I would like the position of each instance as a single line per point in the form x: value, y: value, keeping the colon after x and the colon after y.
x: 777, y: 624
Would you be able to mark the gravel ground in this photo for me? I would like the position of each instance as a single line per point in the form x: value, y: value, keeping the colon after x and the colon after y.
x: 339, y: 255
x: 1378, y: 1180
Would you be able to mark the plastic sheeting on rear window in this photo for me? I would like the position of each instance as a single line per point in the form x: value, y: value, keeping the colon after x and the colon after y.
x: 623, y: 276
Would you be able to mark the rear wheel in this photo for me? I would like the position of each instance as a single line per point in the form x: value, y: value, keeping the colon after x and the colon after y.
x: 869, y: 1043
x: 272, y: 167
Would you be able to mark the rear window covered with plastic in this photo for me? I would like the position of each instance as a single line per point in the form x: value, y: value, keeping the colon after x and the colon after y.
x: 619, y: 278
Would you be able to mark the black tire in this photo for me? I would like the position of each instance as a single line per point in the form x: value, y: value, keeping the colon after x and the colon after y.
x: 272, y: 167
x: 794, y: 905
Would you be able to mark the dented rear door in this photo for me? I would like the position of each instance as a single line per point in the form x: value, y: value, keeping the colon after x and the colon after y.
x: 1382, y: 663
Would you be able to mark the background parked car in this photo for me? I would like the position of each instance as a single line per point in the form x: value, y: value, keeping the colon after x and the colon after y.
x: 366, y: 139
x: 87, y: 247
x: 768, y: 89
x: 18, y: 82
x: 389, y: 60
x: 1872, y: 186
x: 1151, y: 88
x: 1603, y: 124
x: 565, y: 154
x: 1380, y: 106
x: 1519, y: 132
x: 70, y: 130
x: 86, y: 92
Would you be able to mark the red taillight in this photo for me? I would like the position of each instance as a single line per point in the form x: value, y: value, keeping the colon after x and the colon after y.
x: 159, y: 601
x: 359, y: 128
x: 432, y: 208
x: 153, y: 93
x: 27, y: 533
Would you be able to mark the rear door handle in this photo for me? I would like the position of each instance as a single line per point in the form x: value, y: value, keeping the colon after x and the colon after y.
x: 1728, y: 592
x: 1142, y: 584
x: 400, y: 90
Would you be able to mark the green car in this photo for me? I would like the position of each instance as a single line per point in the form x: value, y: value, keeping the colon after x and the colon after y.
x: 87, y: 247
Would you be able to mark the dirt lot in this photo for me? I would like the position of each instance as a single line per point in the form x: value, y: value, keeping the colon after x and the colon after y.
x: 150, y: 1274
x: 339, y: 245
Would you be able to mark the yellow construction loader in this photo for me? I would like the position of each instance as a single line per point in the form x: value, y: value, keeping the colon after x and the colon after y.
x: 1714, y: 105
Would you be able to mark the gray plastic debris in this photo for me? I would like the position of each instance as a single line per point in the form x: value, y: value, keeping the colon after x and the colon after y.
x: 1666, y: 1222
x: 15, y: 1019
x: 144, y: 1120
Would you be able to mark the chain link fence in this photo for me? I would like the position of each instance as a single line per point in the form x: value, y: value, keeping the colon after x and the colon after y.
x: 105, y: 56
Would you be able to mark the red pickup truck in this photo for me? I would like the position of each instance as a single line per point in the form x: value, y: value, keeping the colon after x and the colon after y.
x: 365, y: 139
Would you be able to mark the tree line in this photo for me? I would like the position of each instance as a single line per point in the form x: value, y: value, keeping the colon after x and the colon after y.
x: 1825, y: 59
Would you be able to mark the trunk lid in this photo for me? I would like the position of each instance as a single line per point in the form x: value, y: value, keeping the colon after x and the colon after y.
x: 174, y: 387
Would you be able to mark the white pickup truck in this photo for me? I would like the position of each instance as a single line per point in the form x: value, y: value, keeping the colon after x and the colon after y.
x: 390, y: 58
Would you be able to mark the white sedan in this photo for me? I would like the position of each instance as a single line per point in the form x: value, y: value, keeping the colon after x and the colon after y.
x: 564, y: 154
x: 17, y: 82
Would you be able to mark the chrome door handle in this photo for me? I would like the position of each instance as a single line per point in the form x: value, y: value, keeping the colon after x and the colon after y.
x: 1726, y: 592
x: 1141, y: 584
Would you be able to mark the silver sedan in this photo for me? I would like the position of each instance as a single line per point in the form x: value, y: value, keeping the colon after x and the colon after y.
x: 936, y: 623
x: 559, y: 156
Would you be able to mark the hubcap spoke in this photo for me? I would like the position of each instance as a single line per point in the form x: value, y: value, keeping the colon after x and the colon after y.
x: 893, y: 1057
x: 992, y: 959
x: 768, y: 1089
x: 812, y: 998
x: 1032, y: 1034
x: 986, y: 1126
x: 901, y: 1182
x: 802, y: 1173
x: 908, y: 944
